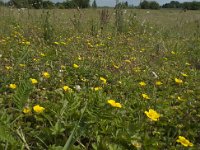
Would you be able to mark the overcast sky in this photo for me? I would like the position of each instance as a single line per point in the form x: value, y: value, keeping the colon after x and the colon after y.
x: 135, y: 2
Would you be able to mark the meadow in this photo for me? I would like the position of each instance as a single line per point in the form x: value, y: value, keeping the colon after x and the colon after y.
x: 99, y: 79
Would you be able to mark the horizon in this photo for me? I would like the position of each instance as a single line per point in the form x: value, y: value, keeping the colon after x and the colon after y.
x: 112, y: 3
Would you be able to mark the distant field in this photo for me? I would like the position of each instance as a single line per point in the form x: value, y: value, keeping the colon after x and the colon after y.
x: 99, y: 79
x: 165, y: 18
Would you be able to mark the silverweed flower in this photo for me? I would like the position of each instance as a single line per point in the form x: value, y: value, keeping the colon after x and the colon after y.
x: 184, y: 74
x: 114, y: 104
x: 184, y: 141
x: 46, y: 75
x: 178, y: 81
x: 67, y: 88
x: 27, y: 110
x: 38, y: 109
x: 75, y: 66
x: 97, y: 88
x: 142, y: 83
x: 145, y: 96
x: 12, y: 86
x: 158, y: 83
x: 152, y: 114
x: 103, y: 80
x: 33, y: 81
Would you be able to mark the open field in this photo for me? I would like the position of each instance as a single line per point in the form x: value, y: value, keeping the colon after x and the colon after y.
x: 99, y: 80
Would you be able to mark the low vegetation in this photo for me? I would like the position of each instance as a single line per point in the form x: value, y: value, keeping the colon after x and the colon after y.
x: 99, y: 79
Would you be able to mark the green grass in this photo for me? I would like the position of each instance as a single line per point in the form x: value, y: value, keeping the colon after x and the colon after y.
x: 151, y: 46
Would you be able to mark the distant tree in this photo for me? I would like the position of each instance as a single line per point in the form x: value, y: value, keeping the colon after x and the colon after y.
x: 154, y: 5
x: 172, y: 4
x: 18, y: 3
x: 191, y: 5
x: 35, y: 3
x: 149, y: 5
x: 1, y: 3
x: 26, y: 3
x: 186, y: 5
x: 94, y: 4
x: 82, y: 3
x: 47, y: 4
x: 144, y: 5
x: 126, y: 4
x: 122, y: 5
x: 69, y: 4
x: 60, y: 5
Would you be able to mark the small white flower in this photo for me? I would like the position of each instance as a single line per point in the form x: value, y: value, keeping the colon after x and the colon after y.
x: 78, y: 88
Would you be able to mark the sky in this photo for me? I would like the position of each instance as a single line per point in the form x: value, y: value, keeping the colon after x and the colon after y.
x: 134, y: 2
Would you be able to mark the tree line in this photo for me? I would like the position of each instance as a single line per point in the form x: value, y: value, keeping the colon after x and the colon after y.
x: 185, y: 5
x: 38, y: 4
x: 173, y: 4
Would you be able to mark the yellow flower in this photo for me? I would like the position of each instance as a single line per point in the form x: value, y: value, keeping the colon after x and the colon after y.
x: 172, y: 52
x: 159, y: 83
x: 13, y: 86
x: 137, y: 69
x: 79, y: 58
x: 75, y: 66
x: 128, y: 61
x: 35, y: 59
x: 133, y: 58
x: 38, y: 109
x: 152, y: 114
x: 184, y: 141
x: 62, y: 67
x: 63, y: 43
x: 8, y: 67
x: 178, y: 81
x: 114, y: 104
x: 46, y: 75
x: 90, y: 45
x: 97, y: 88
x: 26, y: 110
x: 180, y: 99
x: 56, y: 43
x: 145, y: 96
x: 184, y: 74
x: 67, y: 89
x: 84, y: 80
x: 136, y: 144
x: 115, y: 66
x: 42, y: 54
x: 142, y: 84
x: 103, y: 80
x: 27, y: 43
x: 22, y: 65
x: 120, y: 82
x: 33, y: 81
x: 187, y: 64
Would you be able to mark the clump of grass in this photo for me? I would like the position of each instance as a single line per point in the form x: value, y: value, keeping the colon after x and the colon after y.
x: 48, y: 32
x: 104, y: 18
x: 76, y: 21
x: 119, y: 20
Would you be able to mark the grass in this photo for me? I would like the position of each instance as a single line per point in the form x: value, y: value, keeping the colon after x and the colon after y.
x: 86, y: 64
